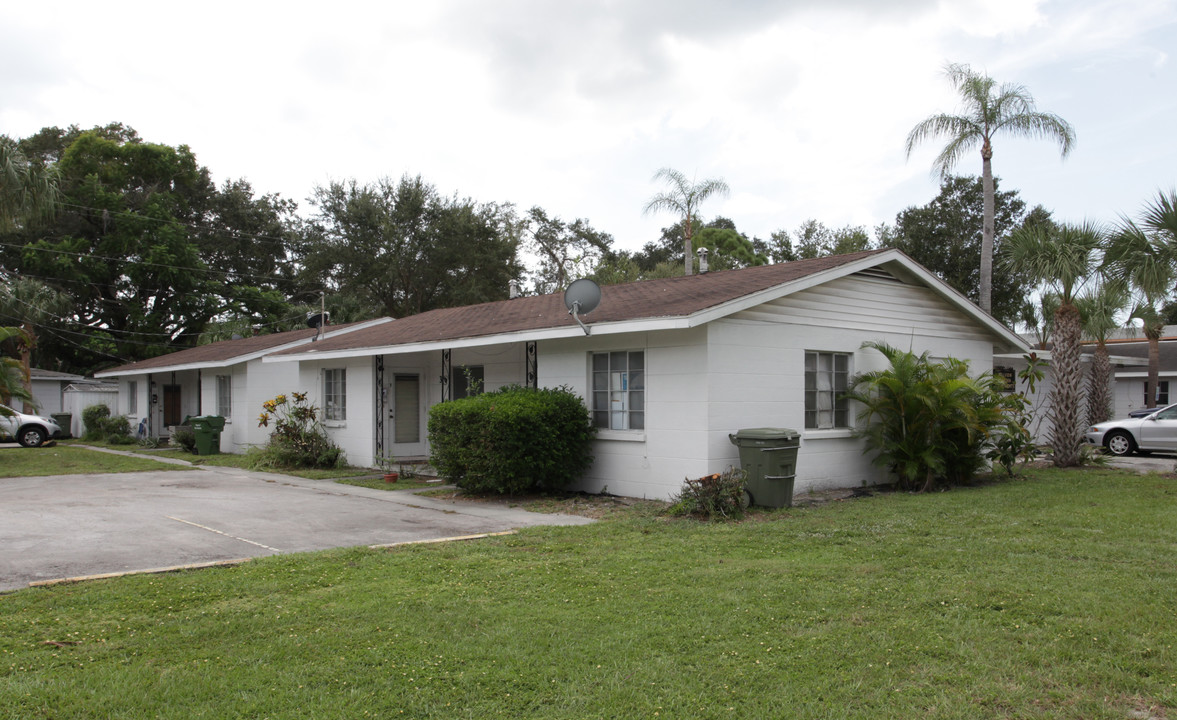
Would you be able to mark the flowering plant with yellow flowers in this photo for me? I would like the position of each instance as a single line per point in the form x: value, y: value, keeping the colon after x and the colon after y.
x: 298, y: 438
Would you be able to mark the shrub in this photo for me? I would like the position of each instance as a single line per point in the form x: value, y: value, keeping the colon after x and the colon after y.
x: 298, y: 440
x: 93, y: 422
x: 720, y: 495
x: 512, y: 440
x: 101, y: 426
x: 929, y: 421
x: 185, y: 438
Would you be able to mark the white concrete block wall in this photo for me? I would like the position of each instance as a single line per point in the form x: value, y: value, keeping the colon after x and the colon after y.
x: 355, y: 435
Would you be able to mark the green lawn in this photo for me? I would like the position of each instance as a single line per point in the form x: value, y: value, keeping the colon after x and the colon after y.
x: 228, y: 460
x: 1046, y: 598
x: 67, y: 460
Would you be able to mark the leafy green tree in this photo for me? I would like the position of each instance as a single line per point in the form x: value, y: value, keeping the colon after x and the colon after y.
x: 1144, y: 254
x: 989, y: 109
x: 946, y: 237
x: 400, y: 248
x: 683, y: 198
x: 1065, y: 258
x: 1100, y: 309
x: 147, y: 247
x: 727, y: 249
x: 566, y: 250
x: 814, y: 239
x: 28, y: 189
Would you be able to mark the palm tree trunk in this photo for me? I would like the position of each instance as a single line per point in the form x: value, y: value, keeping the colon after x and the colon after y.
x: 1154, y: 366
x: 26, y: 366
x: 1066, y: 433
x: 688, y: 251
x: 1099, y: 397
x: 987, y: 192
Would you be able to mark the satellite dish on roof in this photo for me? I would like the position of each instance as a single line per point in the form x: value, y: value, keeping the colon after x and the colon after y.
x: 582, y: 296
x: 315, y: 319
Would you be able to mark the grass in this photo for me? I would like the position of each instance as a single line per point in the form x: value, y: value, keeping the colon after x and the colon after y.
x: 67, y: 460
x: 1046, y: 598
x: 236, y: 460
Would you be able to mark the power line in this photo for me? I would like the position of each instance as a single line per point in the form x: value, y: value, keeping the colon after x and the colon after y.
x: 228, y: 274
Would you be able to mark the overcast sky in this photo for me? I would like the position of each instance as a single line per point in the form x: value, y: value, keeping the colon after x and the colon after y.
x: 572, y: 105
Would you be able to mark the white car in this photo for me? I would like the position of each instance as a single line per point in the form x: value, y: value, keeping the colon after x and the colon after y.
x: 28, y: 430
x: 1154, y: 432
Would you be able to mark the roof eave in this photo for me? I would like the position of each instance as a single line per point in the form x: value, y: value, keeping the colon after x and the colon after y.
x: 238, y: 359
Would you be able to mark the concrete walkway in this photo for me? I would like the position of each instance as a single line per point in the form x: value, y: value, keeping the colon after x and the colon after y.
x: 65, y: 526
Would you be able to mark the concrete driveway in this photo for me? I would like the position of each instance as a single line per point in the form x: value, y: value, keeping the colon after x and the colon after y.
x: 73, y: 525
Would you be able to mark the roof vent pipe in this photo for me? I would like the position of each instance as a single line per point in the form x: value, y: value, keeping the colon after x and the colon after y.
x: 702, y: 260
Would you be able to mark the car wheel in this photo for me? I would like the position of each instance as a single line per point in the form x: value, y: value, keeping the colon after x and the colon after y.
x: 1119, y: 442
x: 32, y: 437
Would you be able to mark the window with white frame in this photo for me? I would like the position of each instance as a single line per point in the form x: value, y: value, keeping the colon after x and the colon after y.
x: 827, y: 376
x: 1162, y: 394
x: 225, y: 395
x: 619, y: 390
x: 133, y: 398
x: 335, y: 394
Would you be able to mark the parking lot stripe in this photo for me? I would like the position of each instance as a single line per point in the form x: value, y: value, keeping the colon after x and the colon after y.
x: 220, y: 532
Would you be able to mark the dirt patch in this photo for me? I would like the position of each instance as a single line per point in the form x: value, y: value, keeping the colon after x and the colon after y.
x: 582, y: 504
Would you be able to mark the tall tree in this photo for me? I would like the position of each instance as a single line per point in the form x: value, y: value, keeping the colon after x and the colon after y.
x: 1144, y: 253
x: 566, y: 250
x: 401, y: 248
x: 13, y: 379
x: 148, y: 248
x: 30, y: 305
x: 1100, y: 310
x: 1065, y: 258
x: 683, y: 197
x: 28, y: 189
x: 814, y: 239
x: 989, y: 109
x: 946, y: 237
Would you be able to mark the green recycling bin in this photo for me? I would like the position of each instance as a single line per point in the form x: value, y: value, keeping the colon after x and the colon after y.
x: 207, y: 429
x: 769, y: 456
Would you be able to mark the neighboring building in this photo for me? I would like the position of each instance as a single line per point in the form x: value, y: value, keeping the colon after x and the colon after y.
x: 671, y: 367
x: 222, y: 378
x: 1130, y: 382
x: 48, y: 388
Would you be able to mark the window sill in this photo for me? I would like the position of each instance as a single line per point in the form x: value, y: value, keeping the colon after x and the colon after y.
x: 831, y: 434
x: 335, y: 423
x: 622, y: 435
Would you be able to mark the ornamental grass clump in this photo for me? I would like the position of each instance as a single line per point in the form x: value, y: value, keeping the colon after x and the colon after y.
x: 719, y: 496
x: 298, y: 439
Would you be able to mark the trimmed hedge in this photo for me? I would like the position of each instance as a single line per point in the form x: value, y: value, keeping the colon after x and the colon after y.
x: 512, y: 440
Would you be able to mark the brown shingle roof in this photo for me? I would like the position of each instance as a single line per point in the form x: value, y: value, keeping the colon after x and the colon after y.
x: 223, y: 352
x: 647, y: 299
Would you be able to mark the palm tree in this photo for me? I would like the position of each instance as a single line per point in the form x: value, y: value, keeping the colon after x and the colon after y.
x: 988, y: 110
x: 683, y: 198
x: 31, y: 304
x: 13, y: 381
x: 1145, y: 255
x: 1099, y: 309
x: 1064, y: 258
x: 27, y: 190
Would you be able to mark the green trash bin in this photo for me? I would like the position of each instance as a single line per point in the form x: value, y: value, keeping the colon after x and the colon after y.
x: 65, y: 421
x: 207, y: 429
x: 769, y: 456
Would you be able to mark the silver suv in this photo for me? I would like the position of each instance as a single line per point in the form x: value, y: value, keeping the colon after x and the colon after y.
x: 28, y: 430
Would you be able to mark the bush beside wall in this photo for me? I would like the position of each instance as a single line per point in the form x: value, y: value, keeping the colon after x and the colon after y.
x: 512, y: 440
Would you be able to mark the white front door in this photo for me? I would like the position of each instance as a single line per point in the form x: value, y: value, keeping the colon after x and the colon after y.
x: 405, y: 424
